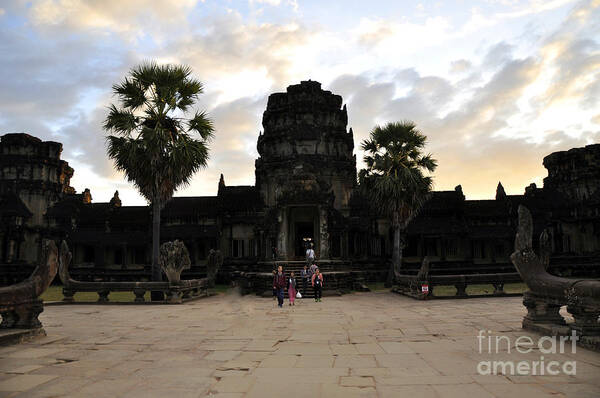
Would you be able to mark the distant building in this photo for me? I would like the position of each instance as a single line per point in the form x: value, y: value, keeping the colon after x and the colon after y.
x: 305, y: 194
x: 32, y: 179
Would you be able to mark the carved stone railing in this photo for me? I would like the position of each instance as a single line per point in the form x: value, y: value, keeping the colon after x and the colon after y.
x: 412, y: 284
x: 174, y: 258
x: 20, y: 304
x: 548, y: 293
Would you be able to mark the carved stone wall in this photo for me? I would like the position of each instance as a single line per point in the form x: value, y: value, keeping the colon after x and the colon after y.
x: 575, y: 172
x: 32, y: 170
x: 305, y: 140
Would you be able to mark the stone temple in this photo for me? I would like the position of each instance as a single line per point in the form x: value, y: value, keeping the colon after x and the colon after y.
x: 305, y: 192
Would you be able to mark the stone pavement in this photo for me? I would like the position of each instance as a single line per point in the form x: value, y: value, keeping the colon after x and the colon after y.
x: 363, y: 345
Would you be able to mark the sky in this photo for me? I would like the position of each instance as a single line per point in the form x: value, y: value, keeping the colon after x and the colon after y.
x: 495, y: 85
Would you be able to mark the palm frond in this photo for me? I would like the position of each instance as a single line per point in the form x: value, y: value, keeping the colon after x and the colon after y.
x: 162, y: 156
x: 202, y: 125
x: 394, y: 179
x: 120, y: 121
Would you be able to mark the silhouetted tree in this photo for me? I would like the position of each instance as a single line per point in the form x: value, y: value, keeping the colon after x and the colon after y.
x: 395, y: 179
x: 152, y: 138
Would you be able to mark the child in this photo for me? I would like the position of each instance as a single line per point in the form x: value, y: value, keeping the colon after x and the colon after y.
x: 317, y: 283
x: 305, y: 275
x: 292, y: 288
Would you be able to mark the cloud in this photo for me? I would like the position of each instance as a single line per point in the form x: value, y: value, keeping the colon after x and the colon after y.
x: 507, y: 10
x: 460, y: 66
x: 497, y: 127
x: 245, y: 58
x: 573, y: 52
x: 491, y: 110
x: 386, y: 33
x: 131, y: 18
x: 270, y: 2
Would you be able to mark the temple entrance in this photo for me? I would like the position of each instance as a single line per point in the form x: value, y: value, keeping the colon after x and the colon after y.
x: 304, y: 237
x: 302, y: 230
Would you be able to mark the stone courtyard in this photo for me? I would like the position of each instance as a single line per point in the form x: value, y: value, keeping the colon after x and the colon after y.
x: 362, y: 344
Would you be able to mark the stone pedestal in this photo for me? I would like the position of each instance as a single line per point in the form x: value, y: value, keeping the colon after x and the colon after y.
x: 586, y: 321
x: 24, y: 316
x: 139, y: 295
x: 541, y: 310
x: 68, y: 295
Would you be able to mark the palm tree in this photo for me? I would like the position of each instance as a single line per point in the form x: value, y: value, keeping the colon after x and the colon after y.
x: 395, y: 180
x: 152, y: 140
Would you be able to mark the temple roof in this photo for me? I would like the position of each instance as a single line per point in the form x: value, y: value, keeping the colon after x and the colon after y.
x: 240, y: 198
x: 191, y: 205
x: 437, y: 225
x: 486, y: 208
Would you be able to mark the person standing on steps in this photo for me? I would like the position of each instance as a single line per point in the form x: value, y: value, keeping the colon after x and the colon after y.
x: 317, y: 283
x: 305, y: 275
x: 279, y: 285
x: 310, y: 255
x: 291, y: 286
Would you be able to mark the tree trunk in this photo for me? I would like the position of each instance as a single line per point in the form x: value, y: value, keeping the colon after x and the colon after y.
x: 396, y: 253
x: 156, y: 272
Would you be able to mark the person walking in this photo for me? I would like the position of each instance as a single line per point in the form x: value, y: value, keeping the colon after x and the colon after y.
x: 279, y: 285
x: 310, y: 255
x: 317, y: 283
x: 274, y: 288
x: 291, y: 286
x: 304, y: 274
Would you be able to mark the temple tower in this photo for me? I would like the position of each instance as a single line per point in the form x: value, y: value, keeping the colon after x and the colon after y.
x: 32, y: 178
x: 306, y: 169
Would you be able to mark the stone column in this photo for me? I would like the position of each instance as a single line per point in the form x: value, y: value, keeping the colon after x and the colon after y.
x: 282, y: 236
x: 323, y: 234
x: 99, y: 256
x: 124, y: 259
x: 11, y: 251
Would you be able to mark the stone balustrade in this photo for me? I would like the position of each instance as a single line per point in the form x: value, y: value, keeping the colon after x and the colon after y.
x: 20, y: 304
x: 174, y: 258
x: 549, y: 293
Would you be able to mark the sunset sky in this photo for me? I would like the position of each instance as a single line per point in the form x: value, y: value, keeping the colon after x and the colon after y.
x: 495, y: 84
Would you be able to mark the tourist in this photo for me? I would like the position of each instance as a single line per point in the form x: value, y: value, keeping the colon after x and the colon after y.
x: 312, y: 270
x: 305, y: 275
x: 279, y: 285
x: 274, y: 288
x: 291, y: 286
x: 317, y: 284
x: 310, y: 255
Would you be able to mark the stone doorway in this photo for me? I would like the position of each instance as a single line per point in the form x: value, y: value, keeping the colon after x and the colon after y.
x: 303, y: 225
x: 304, y: 237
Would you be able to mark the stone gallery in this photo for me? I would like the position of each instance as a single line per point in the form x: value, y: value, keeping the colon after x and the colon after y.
x: 305, y: 194
x: 366, y: 344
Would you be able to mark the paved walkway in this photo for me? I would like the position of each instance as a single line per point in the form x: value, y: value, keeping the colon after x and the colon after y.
x: 364, y: 345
